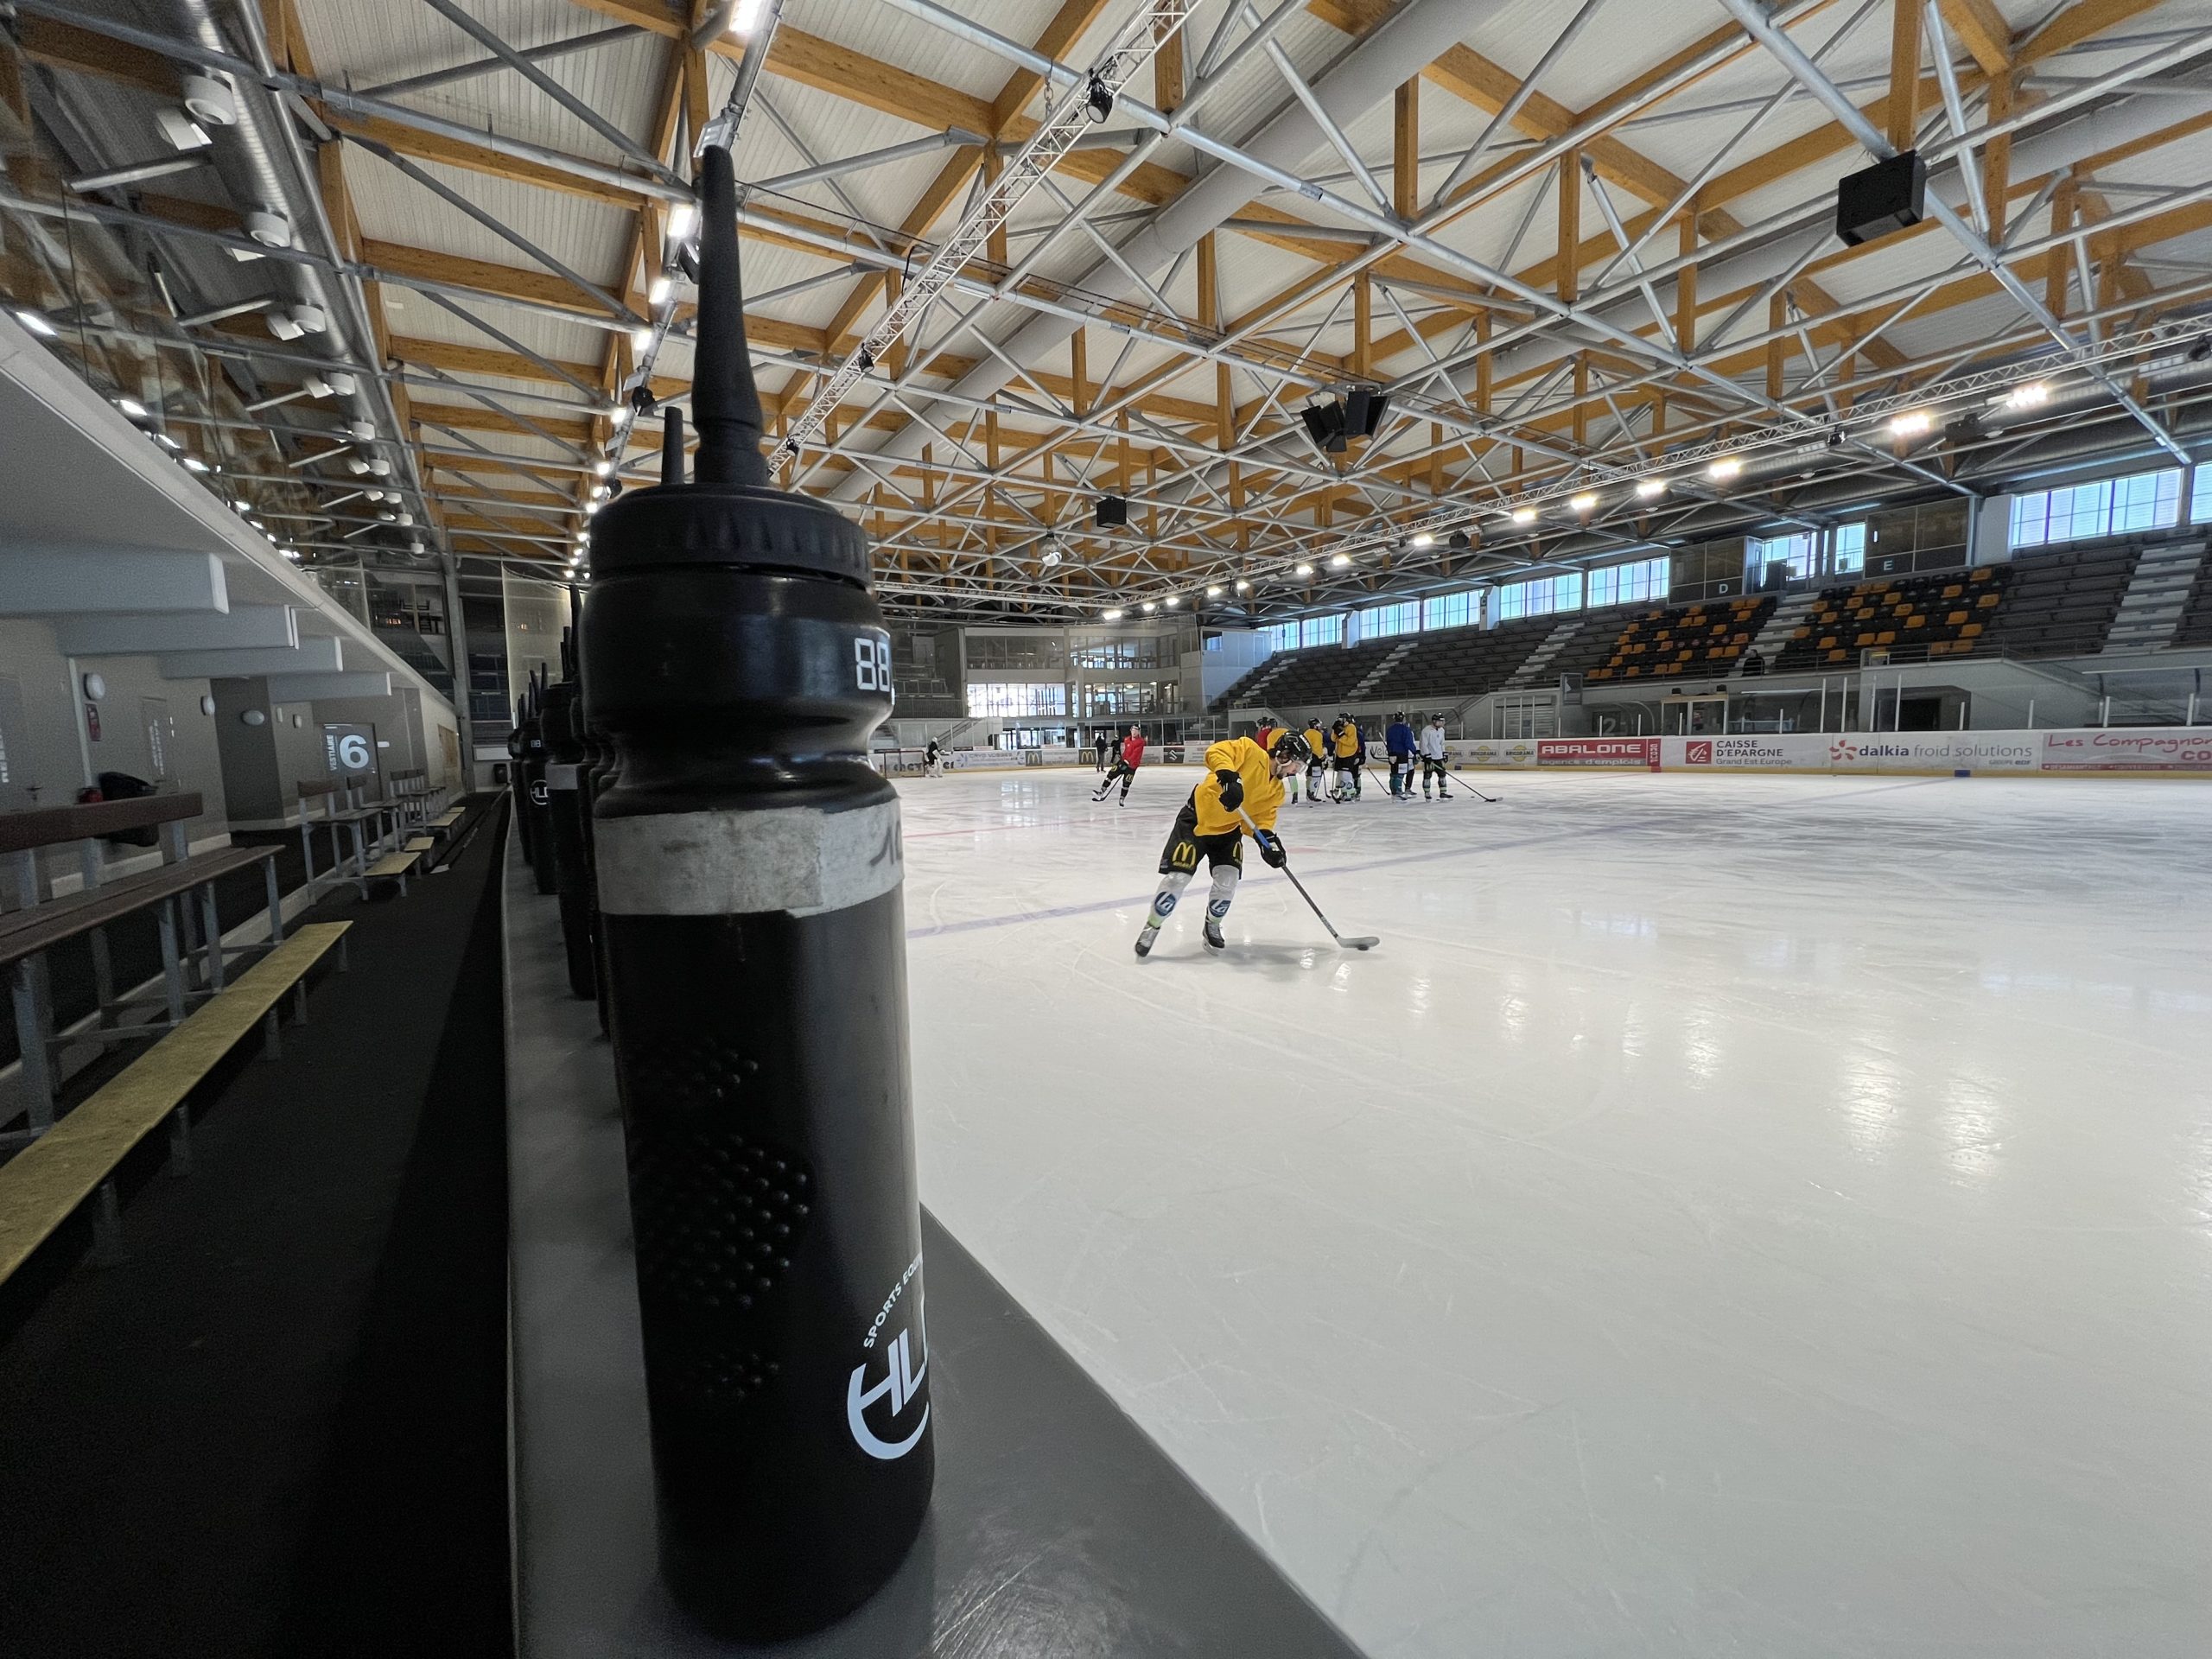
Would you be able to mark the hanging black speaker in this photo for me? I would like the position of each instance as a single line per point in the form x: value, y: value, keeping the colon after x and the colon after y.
x: 1324, y: 424
x: 1364, y: 412
x: 1881, y: 199
x: 1111, y: 512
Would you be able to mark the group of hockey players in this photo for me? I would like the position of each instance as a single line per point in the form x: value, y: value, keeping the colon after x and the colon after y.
x: 1335, y: 764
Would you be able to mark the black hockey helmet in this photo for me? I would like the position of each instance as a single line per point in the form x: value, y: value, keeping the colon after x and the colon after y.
x: 1289, y: 746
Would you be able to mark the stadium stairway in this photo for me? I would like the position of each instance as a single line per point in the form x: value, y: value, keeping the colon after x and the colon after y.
x: 1532, y: 671
x: 1375, y: 676
x: 1785, y: 619
x: 279, y: 1427
x: 2151, y: 609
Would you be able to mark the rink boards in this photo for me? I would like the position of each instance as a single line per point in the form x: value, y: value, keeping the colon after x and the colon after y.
x: 2146, y: 751
x: 2174, y: 752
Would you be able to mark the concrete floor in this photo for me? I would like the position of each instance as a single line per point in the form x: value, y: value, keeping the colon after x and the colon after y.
x: 1730, y: 1215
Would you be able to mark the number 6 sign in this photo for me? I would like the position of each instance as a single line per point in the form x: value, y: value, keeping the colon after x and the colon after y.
x: 349, y: 749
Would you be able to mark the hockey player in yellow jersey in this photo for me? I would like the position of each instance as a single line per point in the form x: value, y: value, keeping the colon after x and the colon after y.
x: 1317, y: 767
x: 1242, y: 785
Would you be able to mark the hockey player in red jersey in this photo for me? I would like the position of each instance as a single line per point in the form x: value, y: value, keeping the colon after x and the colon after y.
x: 1125, y: 767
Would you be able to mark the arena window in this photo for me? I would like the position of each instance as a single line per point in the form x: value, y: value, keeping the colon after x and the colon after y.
x: 1540, y: 597
x: 1322, y: 630
x: 2110, y: 507
x: 1459, y: 610
x: 1800, y: 551
x: 2200, y: 495
x: 1016, y: 697
x: 1641, y: 582
x: 1381, y: 621
x: 1850, y: 555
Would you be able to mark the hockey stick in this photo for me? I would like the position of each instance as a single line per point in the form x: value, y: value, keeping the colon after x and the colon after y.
x: 1366, y: 942
x: 1463, y: 783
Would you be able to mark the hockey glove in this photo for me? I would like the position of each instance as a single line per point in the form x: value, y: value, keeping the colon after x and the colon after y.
x: 1271, y: 848
x: 1232, y: 790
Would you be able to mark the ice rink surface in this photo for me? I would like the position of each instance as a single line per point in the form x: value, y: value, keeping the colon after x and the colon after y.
x: 1727, y: 1216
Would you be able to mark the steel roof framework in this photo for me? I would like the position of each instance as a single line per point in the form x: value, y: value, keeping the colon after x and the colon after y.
x: 1519, y: 381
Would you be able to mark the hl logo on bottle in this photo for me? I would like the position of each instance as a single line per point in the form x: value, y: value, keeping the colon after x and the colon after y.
x: 902, y: 1386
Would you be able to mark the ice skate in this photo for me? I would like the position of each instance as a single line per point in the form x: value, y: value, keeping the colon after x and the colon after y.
x: 1214, y: 941
x: 1148, y: 936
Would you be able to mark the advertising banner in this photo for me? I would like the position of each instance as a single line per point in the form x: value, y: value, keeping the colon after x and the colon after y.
x: 1855, y: 752
x: 1494, y: 751
x: 1599, y: 752
x: 2152, y: 749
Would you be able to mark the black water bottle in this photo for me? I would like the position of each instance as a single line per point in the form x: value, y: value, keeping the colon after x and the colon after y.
x: 534, y: 797
x: 749, y: 867
x: 517, y: 751
x: 564, y: 821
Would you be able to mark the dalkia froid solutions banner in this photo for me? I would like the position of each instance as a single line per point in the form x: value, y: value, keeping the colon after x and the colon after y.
x: 2149, y: 749
x: 1915, y: 752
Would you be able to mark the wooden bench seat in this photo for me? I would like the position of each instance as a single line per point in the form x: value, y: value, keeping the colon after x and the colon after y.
x: 394, y: 866
x: 420, y: 844
x: 447, y: 819
x: 43, y: 1184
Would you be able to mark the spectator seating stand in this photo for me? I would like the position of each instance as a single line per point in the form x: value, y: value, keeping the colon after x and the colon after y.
x: 180, y: 894
x: 1944, y: 614
x: 1709, y: 638
x: 2062, y: 604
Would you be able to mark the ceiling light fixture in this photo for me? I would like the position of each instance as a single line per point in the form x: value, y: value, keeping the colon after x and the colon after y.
x: 657, y: 291
x: 1652, y: 488
x: 2034, y: 395
x: 603, y: 468
x: 1586, y: 502
x: 1912, y: 424
x: 1524, y: 515
x: 1214, y: 592
x: 1726, y: 467
x: 1341, y: 562
x: 1110, y: 616
x: 746, y: 18
x: 641, y: 337
x: 1305, y: 570
x: 1424, y: 539
x: 1147, y: 608
x: 1098, y: 104
x: 1173, y: 600
x: 682, y: 220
